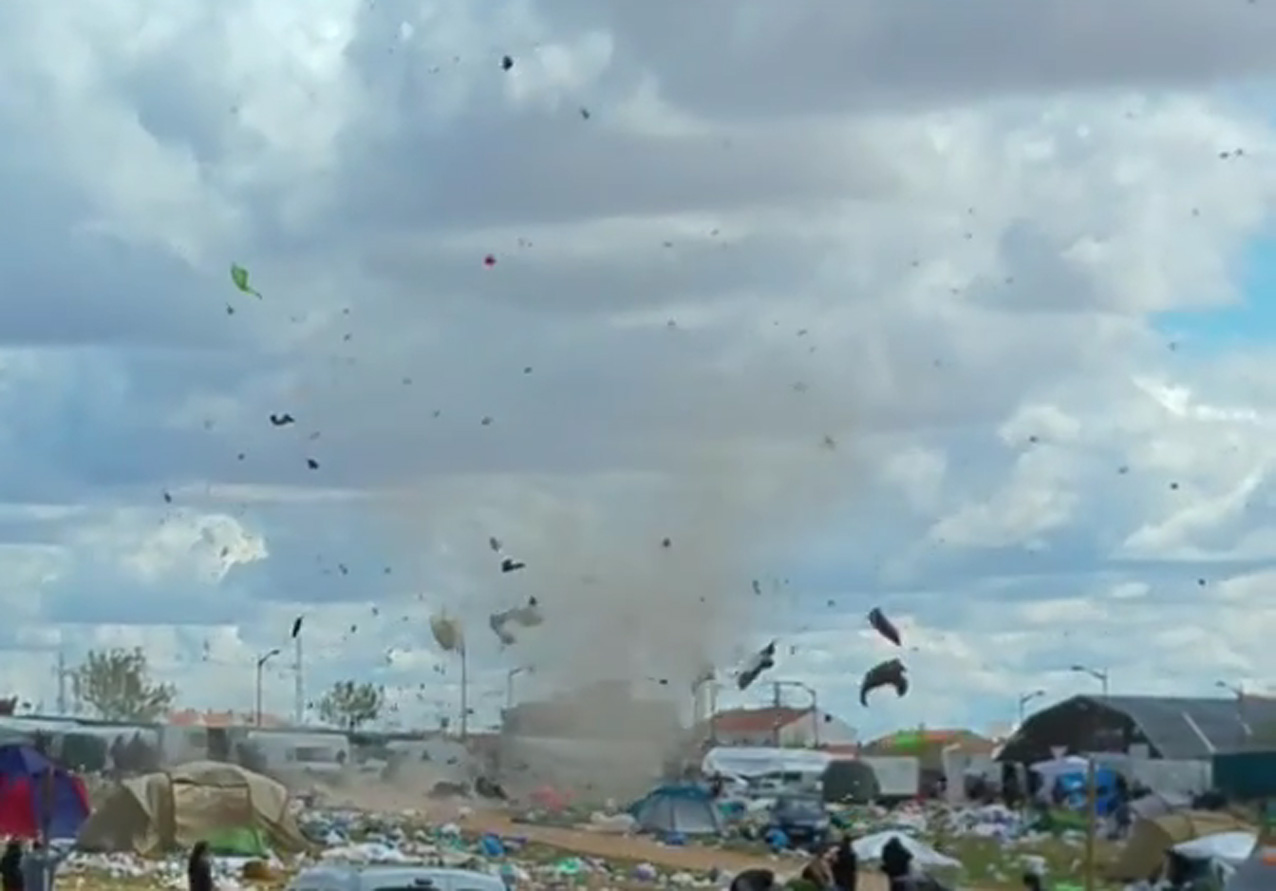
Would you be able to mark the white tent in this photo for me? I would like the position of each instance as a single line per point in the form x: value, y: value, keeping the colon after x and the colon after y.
x: 1230, y: 848
x: 869, y: 847
x: 749, y: 762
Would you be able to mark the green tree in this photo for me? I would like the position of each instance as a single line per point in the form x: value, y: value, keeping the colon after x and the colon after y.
x: 350, y: 705
x: 117, y: 684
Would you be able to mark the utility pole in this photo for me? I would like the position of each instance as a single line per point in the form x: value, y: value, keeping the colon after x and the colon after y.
x: 261, y: 665
x: 299, y: 689
x: 465, y: 695
x: 62, y: 675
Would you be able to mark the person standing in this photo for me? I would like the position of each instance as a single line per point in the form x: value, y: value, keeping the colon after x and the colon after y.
x: 845, y: 865
x: 40, y: 866
x: 897, y: 863
x: 199, y: 869
x: 11, y: 866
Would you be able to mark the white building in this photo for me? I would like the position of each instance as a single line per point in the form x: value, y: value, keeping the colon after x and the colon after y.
x: 805, y: 727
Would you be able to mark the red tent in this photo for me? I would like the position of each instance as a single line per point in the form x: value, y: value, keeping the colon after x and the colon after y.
x: 39, y: 797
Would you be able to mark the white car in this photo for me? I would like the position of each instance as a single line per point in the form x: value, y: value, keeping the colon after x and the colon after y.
x: 396, y: 877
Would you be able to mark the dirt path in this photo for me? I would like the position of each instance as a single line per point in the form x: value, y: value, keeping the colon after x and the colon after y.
x: 622, y: 847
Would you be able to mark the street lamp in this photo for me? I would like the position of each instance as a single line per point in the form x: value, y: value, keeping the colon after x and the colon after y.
x: 706, y: 680
x: 1027, y: 698
x: 509, y: 683
x: 261, y: 664
x: 1238, y: 691
x: 815, y: 706
x: 1098, y: 674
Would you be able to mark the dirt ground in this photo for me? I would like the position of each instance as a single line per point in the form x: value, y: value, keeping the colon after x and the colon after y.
x: 637, y: 848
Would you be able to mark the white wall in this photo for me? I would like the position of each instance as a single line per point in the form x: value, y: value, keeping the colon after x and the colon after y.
x: 818, y: 727
x: 805, y: 731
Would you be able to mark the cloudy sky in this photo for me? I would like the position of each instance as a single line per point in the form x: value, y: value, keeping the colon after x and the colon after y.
x: 962, y: 313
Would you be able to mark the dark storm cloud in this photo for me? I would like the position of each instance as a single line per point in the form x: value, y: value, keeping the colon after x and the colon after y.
x: 725, y: 58
x: 536, y: 167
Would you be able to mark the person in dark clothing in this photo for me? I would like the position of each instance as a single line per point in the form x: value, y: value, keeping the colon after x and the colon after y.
x: 845, y: 865
x: 11, y: 866
x: 897, y: 863
x: 754, y: 880
x: 199, y: 871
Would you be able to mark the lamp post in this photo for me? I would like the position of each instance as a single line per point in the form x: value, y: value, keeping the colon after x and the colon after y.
x: 465, y: 693
x: 815, y: 707
x: 1098, y: 674
x: 1238, y: 690
x: 1025, y: 699
x: 509, y: 683
x: 261, y: 664
x: 707, y: 679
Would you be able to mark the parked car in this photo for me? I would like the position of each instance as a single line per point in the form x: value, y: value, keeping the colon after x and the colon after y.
x: 803, y: 820
x: 393, y: 877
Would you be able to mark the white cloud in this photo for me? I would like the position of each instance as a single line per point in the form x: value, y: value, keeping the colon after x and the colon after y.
x: 899, y: 344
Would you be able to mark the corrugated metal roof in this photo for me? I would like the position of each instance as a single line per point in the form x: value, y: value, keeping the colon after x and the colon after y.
x: 1182, y: 727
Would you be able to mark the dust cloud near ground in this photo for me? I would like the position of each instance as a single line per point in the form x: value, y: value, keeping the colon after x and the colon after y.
x: 643, y: 572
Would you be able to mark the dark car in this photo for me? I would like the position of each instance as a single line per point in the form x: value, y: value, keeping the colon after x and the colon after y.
x: 803, y: 820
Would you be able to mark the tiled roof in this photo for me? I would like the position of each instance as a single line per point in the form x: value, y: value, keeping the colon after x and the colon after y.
x: 756, y: 720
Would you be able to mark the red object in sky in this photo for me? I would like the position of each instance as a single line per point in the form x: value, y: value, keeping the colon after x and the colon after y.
x: 489, y: 261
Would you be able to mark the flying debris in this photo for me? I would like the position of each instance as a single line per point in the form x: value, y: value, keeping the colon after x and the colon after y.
x: 527, y: 616
x: 884, y: 626
x: 312, y: 463
x: 296, y: 626
x: 447, y: 633
x: 239, y: 278
x: 508, y: 564
x: 757, y: 587
x: 282, y: 420
x: 760, y: 662
x: 884, y: 674
x: 507, y: 63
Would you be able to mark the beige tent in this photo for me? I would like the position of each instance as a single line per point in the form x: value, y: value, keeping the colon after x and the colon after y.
x: 1144, y: 852
x: 233, y: 809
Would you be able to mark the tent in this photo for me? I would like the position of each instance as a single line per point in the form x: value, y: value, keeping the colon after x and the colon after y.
x: 1229, y: 848
x: 37, y: 795
x: 1144, y: 852
x: 1257, y: 873
x: 868, y: 848
x: 687, y: 810
x: 850, y: 782
x: 235, y: 810
x: 752, y: 762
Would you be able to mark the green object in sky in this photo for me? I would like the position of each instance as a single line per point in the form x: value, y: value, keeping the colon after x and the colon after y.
x: 239, y: 276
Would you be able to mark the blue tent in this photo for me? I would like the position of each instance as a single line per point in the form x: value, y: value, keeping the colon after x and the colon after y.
x: 1073, y: 788
x: 678, y: 810
x: 39, y: 797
